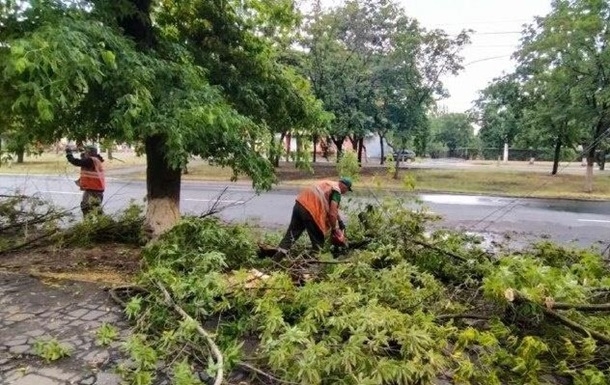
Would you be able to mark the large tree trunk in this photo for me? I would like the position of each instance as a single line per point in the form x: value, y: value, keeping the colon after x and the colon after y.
x: 556, y: 156
x: 315, y: 145
x: 163, y: 187
x: 20, y: 154
x: 162, y: 182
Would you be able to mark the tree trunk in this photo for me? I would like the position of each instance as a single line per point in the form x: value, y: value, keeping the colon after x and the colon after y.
x: 339, y: 144
x: 602, y: 160
x: 276, y: 157
x: 315, y: 144
x: 382, y: 162
x: 288, y: 146
x: 589, y: 175
x: 360, y: 148
x: 396, y: 167
x: 163, y: 188
x: 20, y: 154
x: 162, y: 182
x: 556, y: 156
x: 591, y: 157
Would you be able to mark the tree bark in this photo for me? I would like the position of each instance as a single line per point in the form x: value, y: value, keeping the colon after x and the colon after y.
x: 339, y: 144
x: 20, y: 155
x: 315, y: 144
x: 162, y: 181
x: 163, y: 188
x: 556, y: 156
x: 360, y: 148
x: 599, y: 129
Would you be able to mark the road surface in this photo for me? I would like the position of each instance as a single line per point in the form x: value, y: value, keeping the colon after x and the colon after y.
x: 522, y: 220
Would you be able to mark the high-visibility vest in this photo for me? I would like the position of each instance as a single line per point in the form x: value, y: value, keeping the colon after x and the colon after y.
x: 316, y: 200
x: 93, y: 179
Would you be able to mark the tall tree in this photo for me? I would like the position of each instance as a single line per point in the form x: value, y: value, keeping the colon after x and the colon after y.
x: 499, y: 111
x: 453, y: 130
x: 377, y: 70
x: 572, y: 42
x: 198, y: 81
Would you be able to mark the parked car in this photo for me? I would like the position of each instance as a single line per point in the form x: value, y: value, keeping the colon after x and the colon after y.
x: 404, y: 155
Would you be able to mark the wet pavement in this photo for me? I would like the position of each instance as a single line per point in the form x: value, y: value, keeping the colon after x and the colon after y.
x: 70, y: 313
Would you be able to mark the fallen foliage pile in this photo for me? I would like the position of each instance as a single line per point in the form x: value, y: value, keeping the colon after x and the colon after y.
x: 405, y: 306
x: 408, y: 308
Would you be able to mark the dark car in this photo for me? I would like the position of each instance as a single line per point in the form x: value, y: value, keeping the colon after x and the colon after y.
x: 404, y: 155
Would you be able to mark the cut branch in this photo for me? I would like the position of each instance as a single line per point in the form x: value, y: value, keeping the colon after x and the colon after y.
x: 213, y: 347
x: 585, y: 307
x: 269, y: 376
x: 436, y: 248
x: 463, y: 316
x: 514, y: 295
x: 576, y: 326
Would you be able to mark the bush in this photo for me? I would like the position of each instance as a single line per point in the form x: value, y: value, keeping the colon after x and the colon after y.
x: 348, y: 165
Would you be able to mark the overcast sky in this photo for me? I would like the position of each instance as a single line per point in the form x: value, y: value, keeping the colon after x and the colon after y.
x: 497, y: 25
x: 488, y: 56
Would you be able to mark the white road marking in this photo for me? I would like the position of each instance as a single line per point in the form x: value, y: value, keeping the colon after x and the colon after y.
x: 594, y: 220
x: 213, y: 200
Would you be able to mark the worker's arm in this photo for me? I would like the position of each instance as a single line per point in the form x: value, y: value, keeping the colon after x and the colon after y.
x: 87, y: 162
x: 333, y: 212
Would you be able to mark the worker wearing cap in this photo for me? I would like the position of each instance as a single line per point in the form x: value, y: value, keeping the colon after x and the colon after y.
x: 316, y: 210
x: 92, y: 180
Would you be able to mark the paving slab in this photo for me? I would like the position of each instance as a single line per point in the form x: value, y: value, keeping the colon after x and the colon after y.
x: 69, y: 312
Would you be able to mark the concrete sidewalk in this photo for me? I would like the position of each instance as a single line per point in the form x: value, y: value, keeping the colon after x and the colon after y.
x: 70, y: 312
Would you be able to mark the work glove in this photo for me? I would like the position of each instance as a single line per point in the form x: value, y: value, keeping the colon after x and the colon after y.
x: 337, y: 238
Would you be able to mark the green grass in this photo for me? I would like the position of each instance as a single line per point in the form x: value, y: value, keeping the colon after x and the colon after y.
x: 511, y: 183
x: 56, y: 164
x: 491, y: 178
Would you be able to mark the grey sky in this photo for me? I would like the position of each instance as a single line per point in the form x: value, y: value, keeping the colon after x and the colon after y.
x: 497, y: 25
x: 494, y: 40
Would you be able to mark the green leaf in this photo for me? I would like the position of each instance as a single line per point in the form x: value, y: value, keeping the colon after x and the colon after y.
x: 109, y: 58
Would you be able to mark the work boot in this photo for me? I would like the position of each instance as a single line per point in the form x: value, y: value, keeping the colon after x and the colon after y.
x: 280, y: 254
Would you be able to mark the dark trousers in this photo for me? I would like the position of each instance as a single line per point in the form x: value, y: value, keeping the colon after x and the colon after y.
x: 92, y: 201
x: 301, y: 220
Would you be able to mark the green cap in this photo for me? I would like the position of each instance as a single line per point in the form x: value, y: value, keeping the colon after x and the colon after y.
x: 346, y: 181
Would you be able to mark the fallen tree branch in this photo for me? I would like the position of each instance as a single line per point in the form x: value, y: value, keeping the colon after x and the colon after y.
x: 269, y: 376
x: 576, y: 326
x: 585, y: 307
x: 462, y: 316
x: 29, y: 244
x: 513, y: 295
x: 436, y: 248
x: 213, y: 347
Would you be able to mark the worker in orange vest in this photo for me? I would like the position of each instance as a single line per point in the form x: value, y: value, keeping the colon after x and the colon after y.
x: 316, y: 211
x: 92, y: 180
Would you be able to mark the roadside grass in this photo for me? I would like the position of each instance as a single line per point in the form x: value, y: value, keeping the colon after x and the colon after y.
x: 56, y: 164
x: 515, y: 179
x: 511, y: 183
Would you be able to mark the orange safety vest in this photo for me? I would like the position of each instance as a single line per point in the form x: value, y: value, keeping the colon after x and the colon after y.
x: 93, y: 180
x: 316, y: 200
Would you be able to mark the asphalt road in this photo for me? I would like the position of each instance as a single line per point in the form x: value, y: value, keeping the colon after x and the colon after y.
x: 520, y: 220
